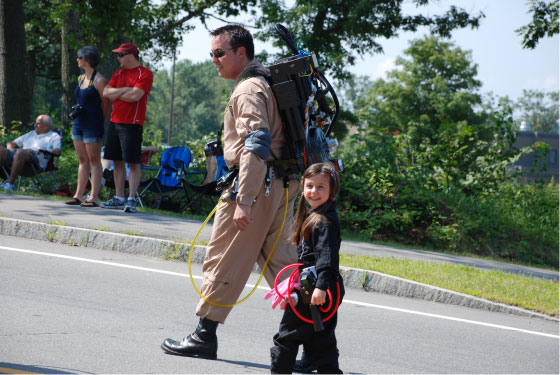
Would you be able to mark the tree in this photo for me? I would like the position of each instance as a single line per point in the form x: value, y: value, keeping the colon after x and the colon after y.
x: 435, y: 83
x: 430, y: 105
x: 69, y: 69
x: 341, y: 30
x: 14, y: 85
x: 338, y: 30
x: 43, y: 47
x: 200, y: 96
x: 540, y: 109
x: 544, y: 23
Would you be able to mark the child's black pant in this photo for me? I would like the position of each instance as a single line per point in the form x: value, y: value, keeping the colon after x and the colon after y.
x: 320, y: 347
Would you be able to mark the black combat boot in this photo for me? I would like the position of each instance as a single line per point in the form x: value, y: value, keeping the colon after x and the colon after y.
x: 202, y: 343
x: 303, y: 366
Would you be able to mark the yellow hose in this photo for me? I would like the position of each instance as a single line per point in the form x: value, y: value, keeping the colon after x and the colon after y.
x: 265, y: 264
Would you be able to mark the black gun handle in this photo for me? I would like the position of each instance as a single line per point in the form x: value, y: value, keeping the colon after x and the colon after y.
x: 317, y: 322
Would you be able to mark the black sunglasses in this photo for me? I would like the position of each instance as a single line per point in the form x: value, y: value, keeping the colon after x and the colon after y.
x: 80, y: 57
x: 123, y: 54
x: 219, y: 52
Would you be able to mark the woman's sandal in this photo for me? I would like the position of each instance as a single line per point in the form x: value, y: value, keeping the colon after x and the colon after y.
x: 89, y: 204
x: 74, y: 202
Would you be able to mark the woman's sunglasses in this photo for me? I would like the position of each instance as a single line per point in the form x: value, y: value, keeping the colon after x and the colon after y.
x: 219, y: 52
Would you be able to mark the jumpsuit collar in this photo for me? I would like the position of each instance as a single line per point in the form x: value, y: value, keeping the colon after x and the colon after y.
x: 252, y: 69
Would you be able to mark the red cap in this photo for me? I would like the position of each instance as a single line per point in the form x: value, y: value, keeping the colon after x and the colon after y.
x: 127, y: 47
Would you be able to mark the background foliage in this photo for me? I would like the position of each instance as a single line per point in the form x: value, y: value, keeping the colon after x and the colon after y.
x: 200, y: 98
x: 427, y: 164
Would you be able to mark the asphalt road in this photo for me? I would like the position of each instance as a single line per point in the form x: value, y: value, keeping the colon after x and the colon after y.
x: 70, y: 309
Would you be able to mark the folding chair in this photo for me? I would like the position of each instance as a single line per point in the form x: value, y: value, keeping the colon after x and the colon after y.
x: 215, y: 168
x: 39, y: 176
x: 170, y: 176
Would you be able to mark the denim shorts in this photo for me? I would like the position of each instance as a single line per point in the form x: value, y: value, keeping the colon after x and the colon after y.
x: 86, y: 135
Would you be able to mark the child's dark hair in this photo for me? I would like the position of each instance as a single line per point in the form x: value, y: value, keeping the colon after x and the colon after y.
x: 304, y: 225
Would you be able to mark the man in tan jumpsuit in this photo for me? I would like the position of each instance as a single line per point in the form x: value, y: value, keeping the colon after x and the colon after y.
x: 245, y: 228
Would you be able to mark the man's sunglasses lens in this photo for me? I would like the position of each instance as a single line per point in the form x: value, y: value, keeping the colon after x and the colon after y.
x: 124, y: 54
x: 217, y: 53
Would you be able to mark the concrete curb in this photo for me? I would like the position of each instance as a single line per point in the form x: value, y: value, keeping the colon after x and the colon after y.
x: 370, y: 281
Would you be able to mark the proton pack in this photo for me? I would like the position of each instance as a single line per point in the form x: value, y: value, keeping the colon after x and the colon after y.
x: 301, y: 94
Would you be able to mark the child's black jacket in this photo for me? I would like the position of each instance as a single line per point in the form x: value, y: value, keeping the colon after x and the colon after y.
x: 321, y: 250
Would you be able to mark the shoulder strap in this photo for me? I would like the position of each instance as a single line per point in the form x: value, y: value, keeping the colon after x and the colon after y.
x: 250, y: 74
x: 92, y: 79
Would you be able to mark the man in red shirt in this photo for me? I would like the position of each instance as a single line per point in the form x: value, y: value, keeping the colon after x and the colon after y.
x: 128, y: 90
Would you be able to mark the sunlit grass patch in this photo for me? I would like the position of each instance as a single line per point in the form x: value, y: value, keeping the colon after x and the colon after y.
x: 511, y: 289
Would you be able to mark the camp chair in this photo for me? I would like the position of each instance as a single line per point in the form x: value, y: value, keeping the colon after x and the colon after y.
x: 215, y: 168
x: 170, y: 175
x: 37, y: 175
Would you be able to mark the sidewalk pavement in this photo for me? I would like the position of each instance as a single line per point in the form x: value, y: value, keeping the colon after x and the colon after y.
x: 156, y: 235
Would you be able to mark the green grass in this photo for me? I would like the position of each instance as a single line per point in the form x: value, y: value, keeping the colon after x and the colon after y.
x: 525, y: 292
x: 132, y: 233
x: 61, y: 223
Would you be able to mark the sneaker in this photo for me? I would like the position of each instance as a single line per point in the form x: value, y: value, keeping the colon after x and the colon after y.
x: 114, y: 203
x: 130, y: 205
x: 7, y: 186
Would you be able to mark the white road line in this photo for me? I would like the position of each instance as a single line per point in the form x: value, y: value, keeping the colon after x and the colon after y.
x: 266, y: 288
x: 452, y: 318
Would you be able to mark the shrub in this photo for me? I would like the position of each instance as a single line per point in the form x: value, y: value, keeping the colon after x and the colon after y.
x: 386, y: 195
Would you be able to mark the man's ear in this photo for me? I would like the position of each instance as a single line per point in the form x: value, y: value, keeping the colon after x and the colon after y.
x: 242, y: 50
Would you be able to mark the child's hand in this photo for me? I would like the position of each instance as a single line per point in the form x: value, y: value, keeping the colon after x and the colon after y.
x: 318, y: 297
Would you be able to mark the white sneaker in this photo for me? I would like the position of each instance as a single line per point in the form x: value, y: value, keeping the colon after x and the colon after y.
x: 7, y: 186
x: 114, y: 203
x: 130, y: 205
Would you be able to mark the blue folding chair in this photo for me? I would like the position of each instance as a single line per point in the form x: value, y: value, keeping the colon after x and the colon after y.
x: 215, y: 168
x: 170, y: 175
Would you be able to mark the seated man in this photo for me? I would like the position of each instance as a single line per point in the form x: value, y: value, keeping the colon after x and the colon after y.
x: 34, y: 148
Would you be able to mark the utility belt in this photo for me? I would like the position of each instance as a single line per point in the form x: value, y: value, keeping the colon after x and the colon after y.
x: 271, y: 174
x: 232, y: 178
x: 284, y: 168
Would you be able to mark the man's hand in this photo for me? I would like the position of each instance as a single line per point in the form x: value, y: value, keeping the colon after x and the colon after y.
x: 242, y: 216
x: 132, y: 95
x: 318, y: 297
x: 113, y: 93
x: 11, y: 146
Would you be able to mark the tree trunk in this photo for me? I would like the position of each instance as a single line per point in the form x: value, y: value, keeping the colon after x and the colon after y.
x: 69, y: 68
x: 15, y: 101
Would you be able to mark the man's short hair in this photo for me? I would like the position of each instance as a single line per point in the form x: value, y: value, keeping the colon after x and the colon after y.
x: 47, y: 120
x: 238, y: 37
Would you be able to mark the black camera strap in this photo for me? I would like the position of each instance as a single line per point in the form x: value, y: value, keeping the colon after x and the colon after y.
x: 91, y: 80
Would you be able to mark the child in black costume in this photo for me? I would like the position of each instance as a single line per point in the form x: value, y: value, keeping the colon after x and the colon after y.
x: 317, y: 235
